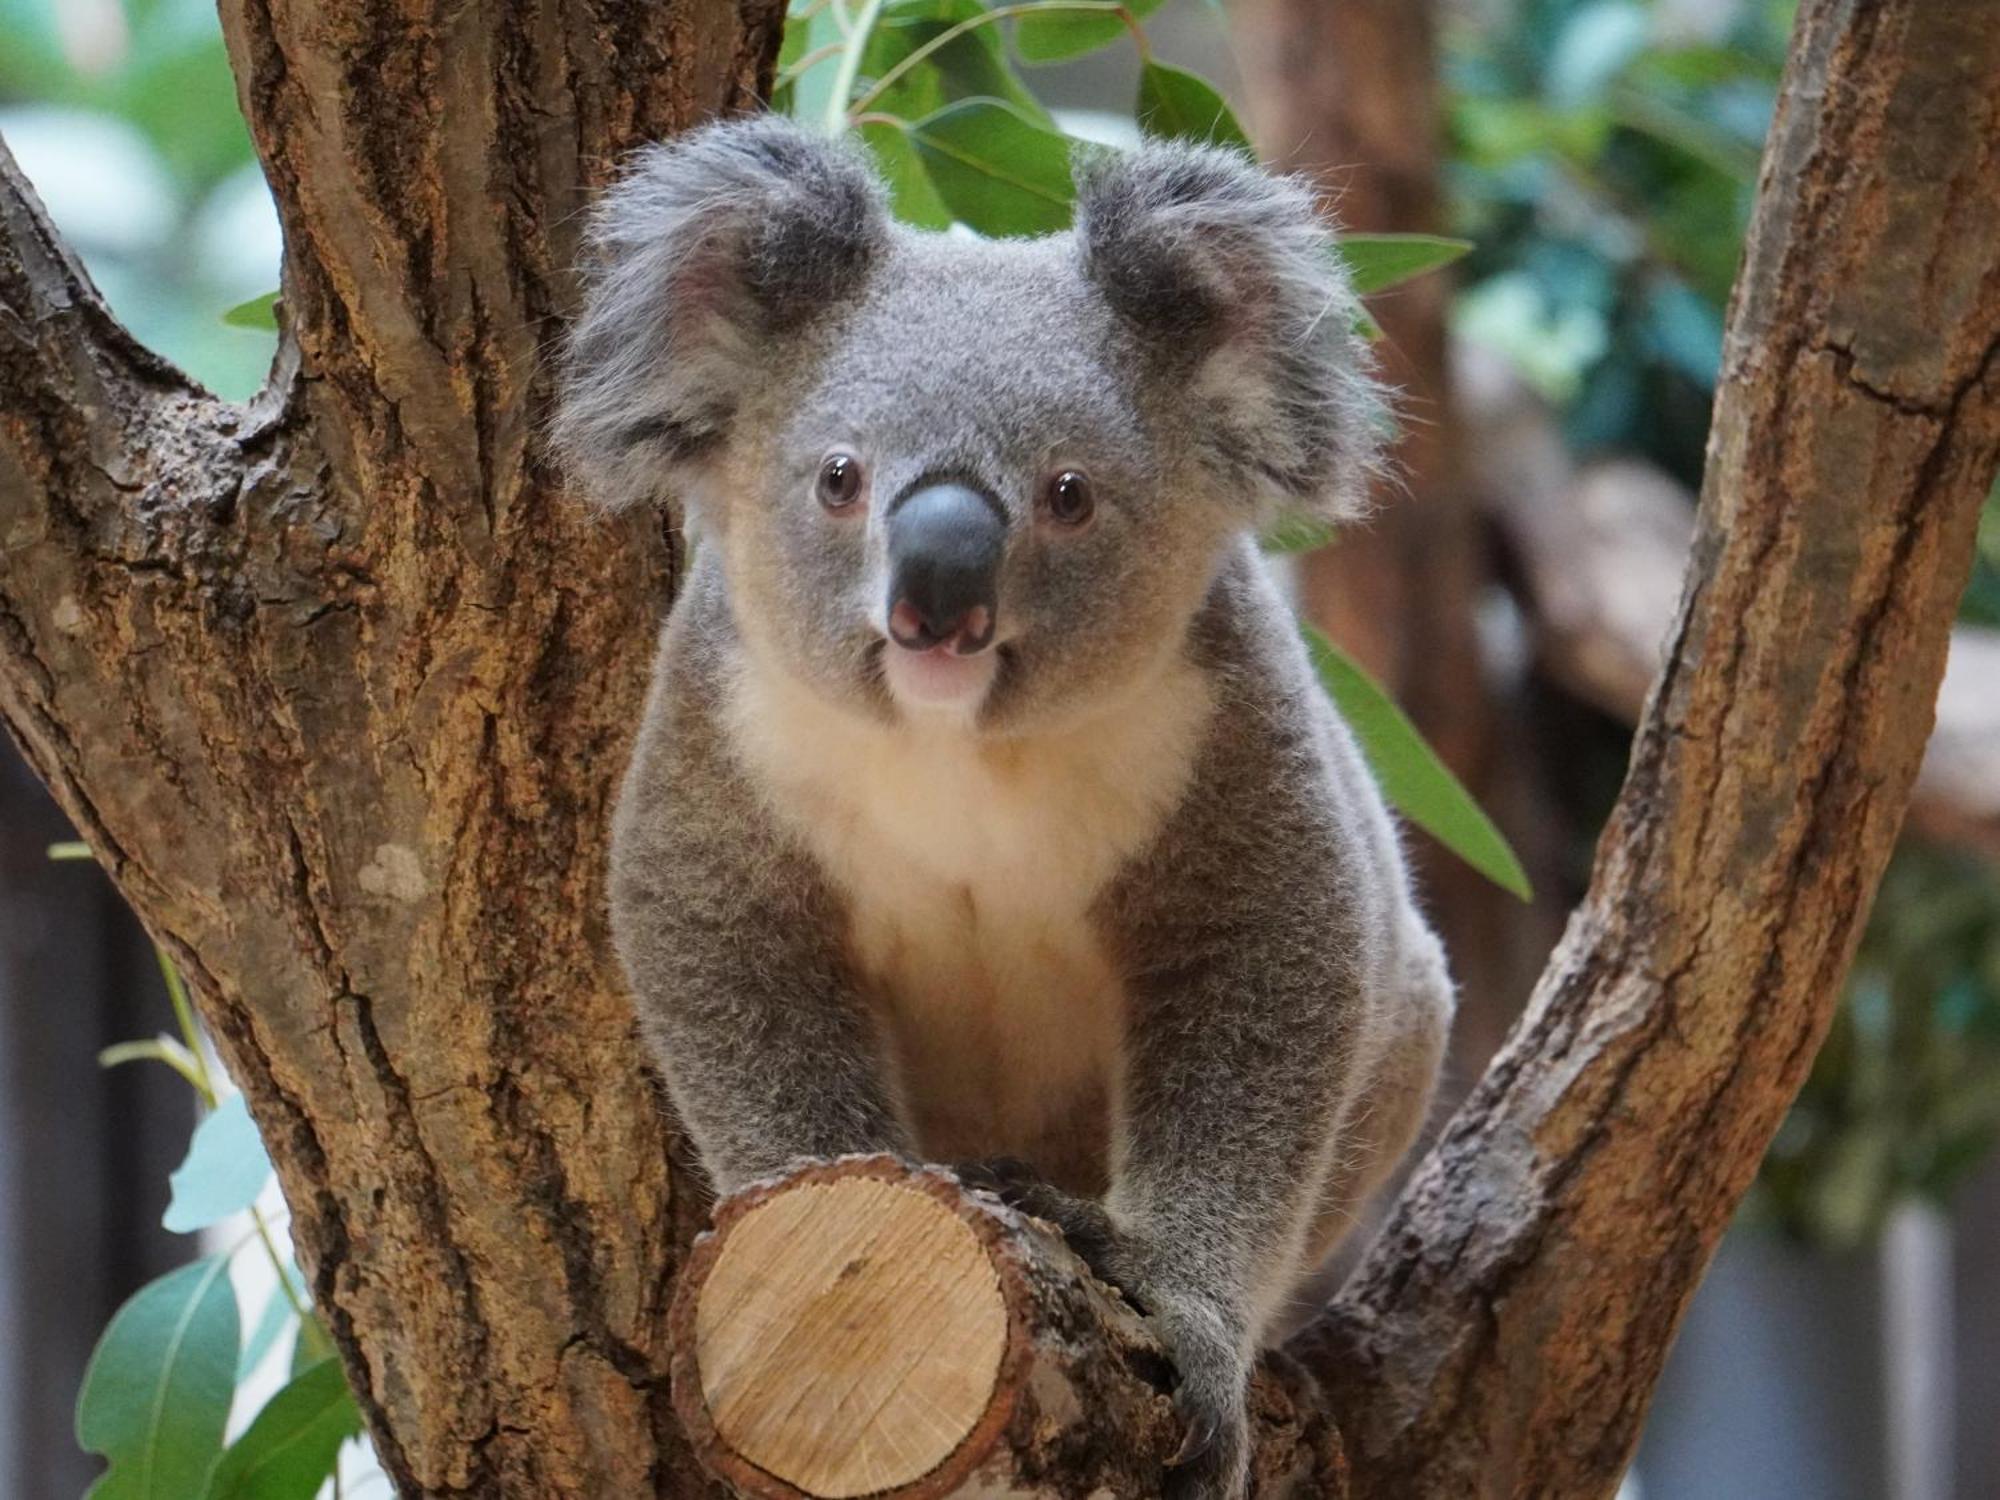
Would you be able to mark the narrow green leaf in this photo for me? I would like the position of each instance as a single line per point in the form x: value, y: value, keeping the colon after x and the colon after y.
x: 1296, y: 533
x: 313, y: 1344
x: 259, y: 314
x: 161, y: 1048
x: 224, y: 1171
x: 74, y: 849
x: 156, y: 1395
x: 1414, y: 780
x: 995, y: 169
x: 288, y: 1451
x: 1180, y: 105
x: 1062, y: 29
x: 806, y: 94
x: 972, y: 65
x: 910, y: 191
x: 1378, y: 261
x: 271, y: 1322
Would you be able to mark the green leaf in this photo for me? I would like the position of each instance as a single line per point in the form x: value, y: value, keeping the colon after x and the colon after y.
x: 972, y: 65
x: 995, y: 169
x: 290, y: 1449
x: 805, y: 95
x: 1296, y: 533
x: 224, y: 1171
x: 1184, y: 106
x: 1062, y: 30
x: 259, y: 314
x: 1377, y: 261
x: 910, y: 191
x: 162, y: 1048
x: 1412, y: 777
x: 156, y: 1394
x: 313, y: 1344
x: 271, y: 1322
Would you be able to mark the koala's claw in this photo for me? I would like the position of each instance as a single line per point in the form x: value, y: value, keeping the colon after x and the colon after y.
x: 1086, y: 1227
x: 1198, y: 1439
x: 1213, y: 1458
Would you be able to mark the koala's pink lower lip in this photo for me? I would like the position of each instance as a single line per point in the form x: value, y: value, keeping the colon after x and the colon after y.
x: 939, y: 676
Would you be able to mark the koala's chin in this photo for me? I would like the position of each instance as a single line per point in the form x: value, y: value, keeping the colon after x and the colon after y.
x: 939, y: 683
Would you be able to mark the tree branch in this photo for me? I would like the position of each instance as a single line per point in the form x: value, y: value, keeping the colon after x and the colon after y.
x: 1601, y: 552
x: 1506, y: 1330
x: 113, y: 471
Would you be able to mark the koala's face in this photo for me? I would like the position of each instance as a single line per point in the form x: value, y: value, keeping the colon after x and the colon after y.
x: 964, y: 497
x: 983, y: 480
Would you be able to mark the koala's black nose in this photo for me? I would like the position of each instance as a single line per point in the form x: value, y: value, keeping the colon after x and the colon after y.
x: 945, y: 545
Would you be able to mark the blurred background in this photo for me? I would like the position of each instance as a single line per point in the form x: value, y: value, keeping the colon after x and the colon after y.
x: 1513, y: 592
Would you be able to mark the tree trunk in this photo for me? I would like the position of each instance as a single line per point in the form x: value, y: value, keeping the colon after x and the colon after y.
x: 337, y: 685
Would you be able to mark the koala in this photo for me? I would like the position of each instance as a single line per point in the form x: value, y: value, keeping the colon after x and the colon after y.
x: 986, y: 809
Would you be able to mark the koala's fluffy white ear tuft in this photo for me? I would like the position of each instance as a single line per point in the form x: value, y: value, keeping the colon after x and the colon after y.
x: 1229, y: 276
x: 708, y: 250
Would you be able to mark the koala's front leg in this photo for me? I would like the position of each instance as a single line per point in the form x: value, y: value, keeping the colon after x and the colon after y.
x: 1245, y: 956
x: 731, y: 939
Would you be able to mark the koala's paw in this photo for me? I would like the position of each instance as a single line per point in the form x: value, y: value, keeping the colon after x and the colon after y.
x: 1213, y: 1460
x: 1085, y: 1226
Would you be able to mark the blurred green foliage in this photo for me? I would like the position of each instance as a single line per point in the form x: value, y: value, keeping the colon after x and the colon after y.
x: 1603, y: 159
x: 123, y: 114
x: 1904, y: 1098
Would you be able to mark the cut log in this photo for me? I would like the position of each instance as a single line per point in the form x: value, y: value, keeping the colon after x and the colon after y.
x: 865, y: 1328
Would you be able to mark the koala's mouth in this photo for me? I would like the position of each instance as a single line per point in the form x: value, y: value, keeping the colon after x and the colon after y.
x: 939, y: 679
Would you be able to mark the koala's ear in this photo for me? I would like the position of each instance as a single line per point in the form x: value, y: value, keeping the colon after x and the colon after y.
x: 703, y: 257
x: 1229, y: 275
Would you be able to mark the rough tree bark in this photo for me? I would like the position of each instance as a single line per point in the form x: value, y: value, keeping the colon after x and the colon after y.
x: 337, y: 685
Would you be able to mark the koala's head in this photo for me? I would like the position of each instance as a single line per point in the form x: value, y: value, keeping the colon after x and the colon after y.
x: 987, y: 478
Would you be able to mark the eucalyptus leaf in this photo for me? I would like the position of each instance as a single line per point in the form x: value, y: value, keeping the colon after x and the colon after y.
x: 1061, y: 29
x: 1295, y: 533
x: 996, y: 170
x: 259, y: 314
x: 805, y: 95
x: 972, y: 65
x: 313, y: 1344
x: 224, y: 1171
x: 291, y: 1447
x: 156, y: 1395
x: 1379, y: 261
x: 1412, y: 777
x: 911, y: 194
x: 162, y: 1048
x: 271, y: 1322
x: 1180, y: 105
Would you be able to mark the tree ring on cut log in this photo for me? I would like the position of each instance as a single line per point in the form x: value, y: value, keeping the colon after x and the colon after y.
x: 853, y: 1330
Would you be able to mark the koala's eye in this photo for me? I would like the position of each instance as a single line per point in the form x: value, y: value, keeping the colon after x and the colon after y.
x: 839, y: 481
x: 1068, y: 499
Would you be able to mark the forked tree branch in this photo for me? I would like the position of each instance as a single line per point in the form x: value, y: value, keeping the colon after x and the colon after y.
x: 339, y: 687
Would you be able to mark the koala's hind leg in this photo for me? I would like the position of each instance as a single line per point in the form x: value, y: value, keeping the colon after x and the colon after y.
x: 1414, y: 1023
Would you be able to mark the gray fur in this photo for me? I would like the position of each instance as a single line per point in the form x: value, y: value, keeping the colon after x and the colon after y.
x: 1190, y: 346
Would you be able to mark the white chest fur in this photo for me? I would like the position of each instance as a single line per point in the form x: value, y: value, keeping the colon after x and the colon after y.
x: 970, y: 866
